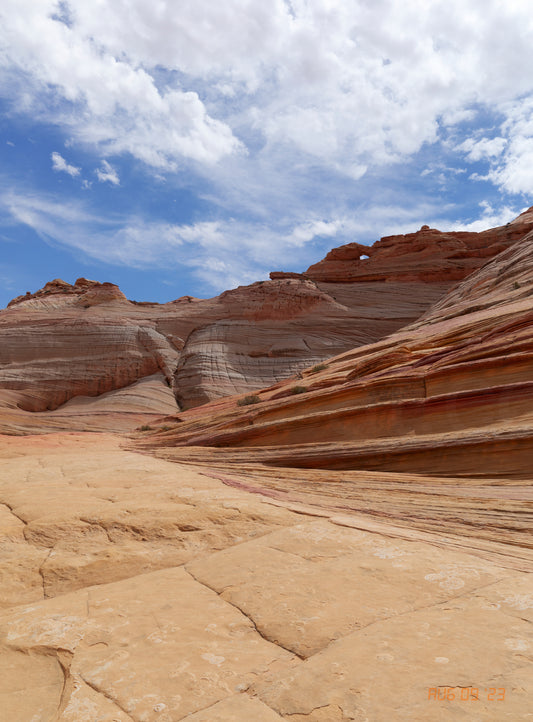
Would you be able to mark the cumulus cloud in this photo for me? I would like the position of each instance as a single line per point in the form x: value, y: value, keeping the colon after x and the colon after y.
x: 109, y: 99
x: 489, y: 217
x: 59, y: 164
x: 351, y: 85
x: 311, y: 229
x: 289, y: 114
x: 107, y: 174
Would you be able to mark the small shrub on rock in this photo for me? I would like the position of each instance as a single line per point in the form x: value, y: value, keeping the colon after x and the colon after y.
x: 298, y: 389
x: 247, y: 400
x: 319, y: 367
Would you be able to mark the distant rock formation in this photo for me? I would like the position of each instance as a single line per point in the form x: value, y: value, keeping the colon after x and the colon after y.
x: 86, y: 341
x: 428, y: 255
x: 83, y: 292
x: 448, y: 395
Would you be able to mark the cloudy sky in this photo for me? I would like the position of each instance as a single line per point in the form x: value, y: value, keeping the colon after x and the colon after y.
x: 186, y: 146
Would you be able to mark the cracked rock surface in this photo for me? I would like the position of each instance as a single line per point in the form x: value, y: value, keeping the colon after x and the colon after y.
x: 137, y: 589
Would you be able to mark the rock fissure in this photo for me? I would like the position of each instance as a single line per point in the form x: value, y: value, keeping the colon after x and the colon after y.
x: 109, y: 698
x: 64, y: 659
x: 198, y: 711
x: 41, y: 572
x: 415, y: 610
x: 12, y: 510
x: 262, y: 634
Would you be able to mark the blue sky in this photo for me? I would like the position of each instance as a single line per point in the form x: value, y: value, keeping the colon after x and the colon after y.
x: 188, y: 147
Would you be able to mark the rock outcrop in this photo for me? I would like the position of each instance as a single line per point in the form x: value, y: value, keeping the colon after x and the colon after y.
x: 138, y: 589
x: 429, y: 255
x: 87, y: 340
x: 351, y: 543
x: 449, y: 397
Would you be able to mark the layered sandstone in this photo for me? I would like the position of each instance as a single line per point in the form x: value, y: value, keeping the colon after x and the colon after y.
x: 428, y: 255
x: 86, y: 340
x: 449, y: 397
x: 352, y: 543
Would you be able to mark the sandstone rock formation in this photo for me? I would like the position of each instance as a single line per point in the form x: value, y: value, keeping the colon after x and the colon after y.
x: 352, y: 543
x: 461, y: 372
x: 449, y: 397
x: 87, y: 340
x: 428, y: 255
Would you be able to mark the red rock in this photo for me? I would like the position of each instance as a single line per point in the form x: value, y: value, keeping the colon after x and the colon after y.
x: 84, y: 340
x: 278, y: 275
x: 448, y: 395
x: 428, y: 255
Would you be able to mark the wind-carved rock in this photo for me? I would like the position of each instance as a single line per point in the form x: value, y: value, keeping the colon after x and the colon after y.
x: 449, y: 395
x: 88, y: 341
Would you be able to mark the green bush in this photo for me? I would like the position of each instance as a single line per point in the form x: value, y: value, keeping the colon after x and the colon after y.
x: 247, y: 400
x: 319, y: 367
x: 298, y: 389
x: 145, y: 427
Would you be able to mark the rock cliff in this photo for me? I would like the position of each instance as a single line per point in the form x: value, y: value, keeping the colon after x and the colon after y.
x: 449, y: 396
x: 86, y: 340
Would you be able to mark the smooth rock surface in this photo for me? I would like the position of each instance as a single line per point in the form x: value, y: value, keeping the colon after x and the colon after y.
x: 167, y: 593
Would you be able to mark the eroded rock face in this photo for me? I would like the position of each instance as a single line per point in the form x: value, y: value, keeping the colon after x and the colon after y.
x: 429, y: 255
x: 58, y: 293
x: 87, y: 340
x: 449, y: 395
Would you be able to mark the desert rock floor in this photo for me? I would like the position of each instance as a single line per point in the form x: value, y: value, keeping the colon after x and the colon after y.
x: 136, y: 588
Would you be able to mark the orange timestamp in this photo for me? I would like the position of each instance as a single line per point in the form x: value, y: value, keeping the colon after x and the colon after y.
x: 466, y: 694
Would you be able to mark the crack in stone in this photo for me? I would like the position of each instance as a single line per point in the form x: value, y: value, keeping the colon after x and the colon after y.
x: 109, y: 698
x: 93, y: 522
x: 41, y: 572
x: 263, y: 635
x: 353, y: 631
x: 64, y: 659
x: 293, y: 554
x: 11, y: 509
x: 203, y: 709
x: 223, y: 699
x: 315, y: 709
x: 417, y: 609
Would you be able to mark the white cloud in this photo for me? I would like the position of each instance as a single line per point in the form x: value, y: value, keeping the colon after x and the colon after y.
x: 348, y: 85
x: 513, y: 171
x: 290, y: 114
x: 59, y: 164
x: 308, y: 231
x: 107, y: 174
x: 114, y: 103
x: 483, y: 148
x: 489, y: 217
